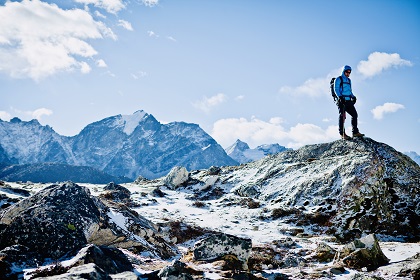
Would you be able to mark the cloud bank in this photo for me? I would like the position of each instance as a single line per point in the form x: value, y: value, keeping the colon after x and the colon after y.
x: 38, y: 39
x: 379, y: 111
x: 255, y: 132
x: 379, y: 61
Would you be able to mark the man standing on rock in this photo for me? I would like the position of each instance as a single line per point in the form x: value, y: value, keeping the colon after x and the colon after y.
x: 345, y: 103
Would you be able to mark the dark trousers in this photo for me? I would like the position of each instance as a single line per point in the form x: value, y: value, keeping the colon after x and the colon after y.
x: 349, y: 108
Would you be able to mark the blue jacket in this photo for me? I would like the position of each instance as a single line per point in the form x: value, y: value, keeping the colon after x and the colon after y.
x: 346, y: 89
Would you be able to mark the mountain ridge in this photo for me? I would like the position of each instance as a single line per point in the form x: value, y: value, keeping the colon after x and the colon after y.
x: 242, y: 153
x: 122, y: 145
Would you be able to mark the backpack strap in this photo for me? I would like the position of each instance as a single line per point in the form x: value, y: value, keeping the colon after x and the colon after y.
x: 341, y: 82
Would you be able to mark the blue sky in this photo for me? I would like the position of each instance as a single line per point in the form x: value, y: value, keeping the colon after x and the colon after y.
x: 254, y: 70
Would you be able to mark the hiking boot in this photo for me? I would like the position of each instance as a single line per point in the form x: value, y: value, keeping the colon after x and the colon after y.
x: 345, y: 137
x: 358, y: 134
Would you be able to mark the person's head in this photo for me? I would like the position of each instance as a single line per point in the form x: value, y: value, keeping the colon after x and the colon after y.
x: 347, y: 70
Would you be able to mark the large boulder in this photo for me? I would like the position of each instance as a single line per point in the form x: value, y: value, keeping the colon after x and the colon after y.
x: 363, y: 253
x: 217, y: 246
x: 176, y: 177
x: 64, y: 218
x: 59, y: 219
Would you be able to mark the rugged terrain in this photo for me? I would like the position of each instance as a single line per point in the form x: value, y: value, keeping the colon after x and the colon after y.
x: 339, y: 210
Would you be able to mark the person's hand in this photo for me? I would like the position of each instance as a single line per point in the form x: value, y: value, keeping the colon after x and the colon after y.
x: 354, y: 99
x: 342, y: 100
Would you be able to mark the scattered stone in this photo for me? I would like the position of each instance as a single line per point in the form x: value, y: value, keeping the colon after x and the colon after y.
x: 324, y: 252
x: 214, y: 170
x: 363, y: 253
x: 178, y: 270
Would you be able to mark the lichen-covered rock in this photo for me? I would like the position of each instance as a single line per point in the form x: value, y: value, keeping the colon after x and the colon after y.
x: 324, y: 252
x: 64, y: 218
x: 363, y: 253
x: 52, y: 222
x: 216, y: 246
x: 117, y: 193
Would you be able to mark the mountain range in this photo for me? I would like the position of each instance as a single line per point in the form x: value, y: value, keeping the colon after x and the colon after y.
x: 123, y: 145
x: 242, y: 153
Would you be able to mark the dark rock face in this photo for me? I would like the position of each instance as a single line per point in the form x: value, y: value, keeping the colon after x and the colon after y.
x: 64, y: 218
x: 110, y: 260
x: 51, y: 222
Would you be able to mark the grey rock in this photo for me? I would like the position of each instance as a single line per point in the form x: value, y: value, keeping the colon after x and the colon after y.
x: 216, y: 246
x: 110, y: 260
x: 176, y: 177
x: 407, y: 268
x: 363, y: 253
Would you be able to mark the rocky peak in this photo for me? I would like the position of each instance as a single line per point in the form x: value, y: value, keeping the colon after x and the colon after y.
x: 241, y: 152
x: 237, y: 146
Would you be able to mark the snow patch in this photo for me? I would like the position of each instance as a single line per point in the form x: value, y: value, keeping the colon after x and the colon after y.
x: 132, y: 121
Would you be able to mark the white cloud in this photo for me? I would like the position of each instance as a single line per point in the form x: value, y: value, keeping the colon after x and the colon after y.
x: 379, y: 111
x: 5, y: 116
x: 152, y: 34
x: 170, y: 38
x: 35, y: 114
x: 257, y: 132
x: 38, y: 39
x: 207, y: 103
x: 138, y: 75
x: 101, y: 63
x: 312, y: 87
x: 38, y: 113
x: 380, y: 61
x: 125, y: 24
x: 111, y: 6
x: 150, y: 3
x: 239, y: 97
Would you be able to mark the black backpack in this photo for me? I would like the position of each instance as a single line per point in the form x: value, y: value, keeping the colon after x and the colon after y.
x: 332, y: 87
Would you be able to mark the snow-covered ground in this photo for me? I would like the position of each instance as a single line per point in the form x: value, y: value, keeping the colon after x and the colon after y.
x: 223, y: 216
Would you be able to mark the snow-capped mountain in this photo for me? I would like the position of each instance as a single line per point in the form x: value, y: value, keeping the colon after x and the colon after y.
x: 30, y: 142
x: 122, y: 145
x: 241, y: 152
x: 414, y: 156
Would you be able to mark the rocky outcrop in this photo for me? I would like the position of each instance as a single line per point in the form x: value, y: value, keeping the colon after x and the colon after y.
x: 363, y: 253
x: 64, y: 218
x: 343, y: 188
